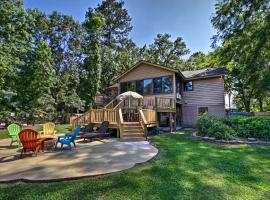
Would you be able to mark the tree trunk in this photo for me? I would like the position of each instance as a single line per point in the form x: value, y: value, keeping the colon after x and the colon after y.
x: 247, y: 104
x: 261, y: 104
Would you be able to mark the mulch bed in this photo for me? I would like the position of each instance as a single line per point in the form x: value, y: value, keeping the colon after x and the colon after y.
x: 236, y: 141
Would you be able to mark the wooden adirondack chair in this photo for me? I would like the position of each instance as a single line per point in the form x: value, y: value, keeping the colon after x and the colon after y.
x: 13, y: 131
x: 48, y: 130
x: 30, y: 141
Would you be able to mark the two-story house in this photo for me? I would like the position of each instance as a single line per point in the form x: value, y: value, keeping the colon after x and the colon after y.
x: 171, y: 98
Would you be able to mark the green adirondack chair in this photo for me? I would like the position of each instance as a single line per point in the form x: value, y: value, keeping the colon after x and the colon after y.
x: 13, y: 131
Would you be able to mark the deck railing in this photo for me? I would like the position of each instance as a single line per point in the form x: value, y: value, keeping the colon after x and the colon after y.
x: 96, y: 116
x: 153, y: 102
x: 150, y: 116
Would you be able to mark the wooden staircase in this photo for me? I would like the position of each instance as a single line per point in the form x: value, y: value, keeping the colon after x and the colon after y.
x: 132, y: 131
x: 112, y: 112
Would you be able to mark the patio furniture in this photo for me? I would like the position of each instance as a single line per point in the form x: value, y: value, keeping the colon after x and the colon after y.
x: 67, y: 140
x: 48, y: 130
x: 89, y: 128
x: 101, y: 132
x: 13, y: 131
x: 30, y: 141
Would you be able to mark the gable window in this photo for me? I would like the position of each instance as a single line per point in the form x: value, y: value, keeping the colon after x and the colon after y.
x: 139, y: 87
x: 147, y: 86
x: 203, y: 110
x: 123, y: 87
x: 167, y: 84
x: 131, y: 86
x: 157, y: 82
x: 159, y: 85
x: 189, y: 86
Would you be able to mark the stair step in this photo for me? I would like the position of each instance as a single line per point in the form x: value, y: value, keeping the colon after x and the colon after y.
x: 131, y: 123
x: 133, y: 129
x: 133, y: 135
x: 132, y: 139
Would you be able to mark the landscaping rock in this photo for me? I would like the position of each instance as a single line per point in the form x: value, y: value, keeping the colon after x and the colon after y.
x: 251, y: 139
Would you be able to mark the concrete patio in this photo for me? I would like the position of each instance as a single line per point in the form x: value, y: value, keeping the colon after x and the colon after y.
x: 88, y: 159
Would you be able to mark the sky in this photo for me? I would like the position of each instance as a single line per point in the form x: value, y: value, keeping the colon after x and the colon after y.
x: 189, y: 19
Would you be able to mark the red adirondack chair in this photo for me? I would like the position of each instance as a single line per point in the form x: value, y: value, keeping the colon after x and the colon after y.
x: 30, y: 142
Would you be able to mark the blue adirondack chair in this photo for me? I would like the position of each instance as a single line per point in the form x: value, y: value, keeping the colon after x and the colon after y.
x: 67, y: 140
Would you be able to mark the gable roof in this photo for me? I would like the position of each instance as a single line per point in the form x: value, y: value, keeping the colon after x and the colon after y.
x: 186, y: 75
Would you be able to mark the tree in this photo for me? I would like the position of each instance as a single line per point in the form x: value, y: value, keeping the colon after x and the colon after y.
x: 166, y: 52
x: 65, y: 37
x: 91, y: 69
x: 117, y: 22
x: 15, y: 43
x: 243, y: 31
x: 34, y: 82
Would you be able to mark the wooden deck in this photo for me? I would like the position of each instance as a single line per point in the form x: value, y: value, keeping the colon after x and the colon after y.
x: 142, y: 113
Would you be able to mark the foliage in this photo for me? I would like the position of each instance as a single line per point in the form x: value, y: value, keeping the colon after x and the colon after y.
x: 229, y: 126
x: 166, y: 52
x: 213, y: 127
x: 185, y: 169
x: 243, y: 32
x: 250, y: 127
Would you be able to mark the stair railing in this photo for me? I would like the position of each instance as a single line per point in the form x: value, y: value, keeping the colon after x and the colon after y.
x: 120, y: 123
x: 143, y: 122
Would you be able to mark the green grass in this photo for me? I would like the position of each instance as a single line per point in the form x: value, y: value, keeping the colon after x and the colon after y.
x: 61, y: 128
x: 185, y: 169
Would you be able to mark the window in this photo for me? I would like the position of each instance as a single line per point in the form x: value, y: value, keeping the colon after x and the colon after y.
x: 131, y: 86
x: 139, y: 87
x: 157, y: 82
x: 157, y: 85
x: 123, y: 87
x: 167, y: 84
x: 203, y: 110
x: 189, y: 86
x: 147, y: 86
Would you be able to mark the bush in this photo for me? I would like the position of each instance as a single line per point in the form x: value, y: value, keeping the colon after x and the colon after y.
x: 249, y: 127
x: 213, y: 127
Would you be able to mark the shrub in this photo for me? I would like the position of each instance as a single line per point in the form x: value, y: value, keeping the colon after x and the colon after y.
x: 213, y: 127
x: 255, y: 127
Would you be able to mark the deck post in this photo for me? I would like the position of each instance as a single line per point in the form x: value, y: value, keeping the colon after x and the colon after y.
x: 170, y: 121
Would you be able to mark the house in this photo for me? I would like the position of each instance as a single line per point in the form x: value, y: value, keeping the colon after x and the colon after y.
x: 171, y: 98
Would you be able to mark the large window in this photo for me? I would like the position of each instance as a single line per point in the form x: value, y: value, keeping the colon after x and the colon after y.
x: 123, y: 87
x: 139, y: 87
x: 159, y: 85
x: 131, y: 86
x: 167, y: 84
x: 189, y: 86
x: 147, y: 86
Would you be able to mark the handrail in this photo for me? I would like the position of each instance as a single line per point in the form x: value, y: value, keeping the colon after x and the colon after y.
x: 118, y: 105
x: 121, y: 122
x: 143, y: 122
x: 143, y: 117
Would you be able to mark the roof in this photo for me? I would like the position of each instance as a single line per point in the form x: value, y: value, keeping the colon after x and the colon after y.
x: 186, y: 75
x: 205, y: 73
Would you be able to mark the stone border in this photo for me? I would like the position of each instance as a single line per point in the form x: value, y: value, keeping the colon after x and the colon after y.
x: 153, y: 159
x: 237, y: 141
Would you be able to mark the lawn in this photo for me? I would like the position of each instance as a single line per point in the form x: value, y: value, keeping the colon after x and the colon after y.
x: 185, y: 169
x: 61, y: 128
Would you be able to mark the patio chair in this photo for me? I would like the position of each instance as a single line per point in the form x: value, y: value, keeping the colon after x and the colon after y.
x: 89, y: 128
x: 13, y: 131
x: 67, y: 140
x: 101, y: 132
x: 48, y: 130
x: 30, y: 141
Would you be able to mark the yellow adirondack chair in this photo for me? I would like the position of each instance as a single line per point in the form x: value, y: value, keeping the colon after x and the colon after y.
x: 48, y: 130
